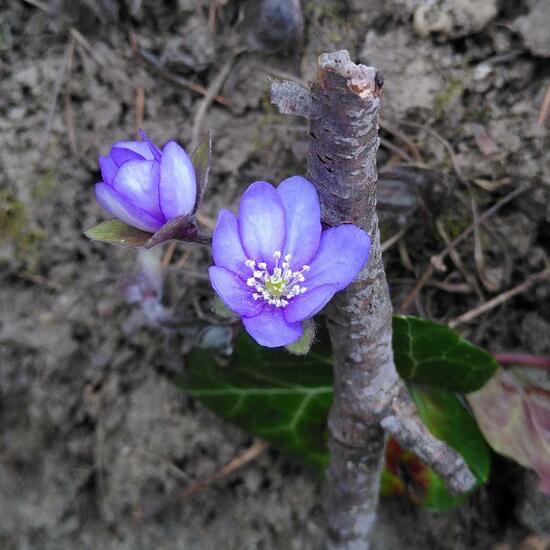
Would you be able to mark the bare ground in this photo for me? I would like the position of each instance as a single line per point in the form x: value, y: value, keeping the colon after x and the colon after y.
x: 91, y: 426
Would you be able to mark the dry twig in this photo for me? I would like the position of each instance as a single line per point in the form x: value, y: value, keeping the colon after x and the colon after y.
x: 212, y: 92
x: 388, y: 243
x: 61, y: 76
x: 69, y: 113
x: 139, y: 113
x: 532, y: 280
x: 92, y: 52
x: 524, y: 359
x: 405, y: 139
x: 148, y: 512
x: 437, y: 261
x: 168, y: 254
x: 153, y: 62
x: 545, y: 107
x: 448, y: 147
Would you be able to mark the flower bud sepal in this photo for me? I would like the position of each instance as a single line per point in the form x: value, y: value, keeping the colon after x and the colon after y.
x: 181, y: 228
x: 304, y: 343
x: 221, y: 310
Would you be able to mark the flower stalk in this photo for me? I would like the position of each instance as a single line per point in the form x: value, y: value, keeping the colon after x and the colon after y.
x: 369, y: 397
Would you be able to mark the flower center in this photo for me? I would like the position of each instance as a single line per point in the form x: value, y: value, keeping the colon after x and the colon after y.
x: 278, y: 287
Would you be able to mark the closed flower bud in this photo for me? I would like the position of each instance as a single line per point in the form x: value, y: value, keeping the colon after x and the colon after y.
x: 146, y: 187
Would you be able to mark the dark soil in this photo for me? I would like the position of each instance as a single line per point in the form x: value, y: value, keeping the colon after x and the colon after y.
x: 91, y: 426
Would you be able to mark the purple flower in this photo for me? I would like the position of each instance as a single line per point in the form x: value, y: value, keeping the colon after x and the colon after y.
x: 275, y: 267
x: 144, y: 186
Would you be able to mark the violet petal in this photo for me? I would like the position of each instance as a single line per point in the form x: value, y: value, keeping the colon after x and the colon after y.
x: 233, y: 292
x: 115, y: 203
x: 343, y: 251
x: 308, y: 304
x: 262, y: 222
x: 120, y: 156
x: 155, y: 151
x: 108, y: 169
x: 227, y: 249
x: 138, y: 182
x: 137, y: 147
x: 303, y: 219
x: 270, y: 328
x: 177, y: 188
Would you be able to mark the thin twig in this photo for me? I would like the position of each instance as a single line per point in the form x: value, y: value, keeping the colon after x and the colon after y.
x: 457, y: 260
x: 278, y: 73
x: 452, y: 288
x: 388, y: 243
x: 184, y: 259
x: 38, y: 4
x: 61, y: 76
x: 404, y: 255
x: 545, y: 107
x: 206, y: 221
x: 92, y: 52
x: 532, y: 280
x: 524, y: 359
x: 39, y: 280
x: 68, y: 111
x: 139, y: 113
x: 168, y: 255
x: 153, y: 62
x: 397, y: 150
x: 403, y: 137
x: 443, y: 142
x: 404, y: 307
x: 146, y: 513
x: 212, y: 92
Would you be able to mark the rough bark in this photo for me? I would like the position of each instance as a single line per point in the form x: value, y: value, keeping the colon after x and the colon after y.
x: 369, y: 398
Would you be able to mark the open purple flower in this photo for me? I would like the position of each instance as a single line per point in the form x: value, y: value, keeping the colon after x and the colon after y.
x: 275, y: 267
x: 144, y: 186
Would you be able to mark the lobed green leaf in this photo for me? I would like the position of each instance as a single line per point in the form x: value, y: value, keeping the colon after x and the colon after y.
x: 285, y: 399
x: 432, y: 353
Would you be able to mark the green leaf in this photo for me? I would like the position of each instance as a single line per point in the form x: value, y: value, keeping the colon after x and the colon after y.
x: 431, y: 353
x: 286, y: 398
x: 447, y: 417
x: 117, y: 232
x: 268, y: 392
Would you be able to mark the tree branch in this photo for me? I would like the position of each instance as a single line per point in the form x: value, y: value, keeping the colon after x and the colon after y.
x: 368, y: 394
x: 408, y: 429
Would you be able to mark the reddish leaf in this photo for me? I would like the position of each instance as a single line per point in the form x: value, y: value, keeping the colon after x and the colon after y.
x: 406, y: 474
x: 513, y: 412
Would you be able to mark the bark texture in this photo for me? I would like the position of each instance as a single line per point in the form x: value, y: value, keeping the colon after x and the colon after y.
x: 369, y: 397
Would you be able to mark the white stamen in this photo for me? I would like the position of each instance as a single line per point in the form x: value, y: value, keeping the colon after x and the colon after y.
x: 279, y: 286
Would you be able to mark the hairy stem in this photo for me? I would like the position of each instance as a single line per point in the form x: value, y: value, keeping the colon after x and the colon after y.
x: 369, y: 398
